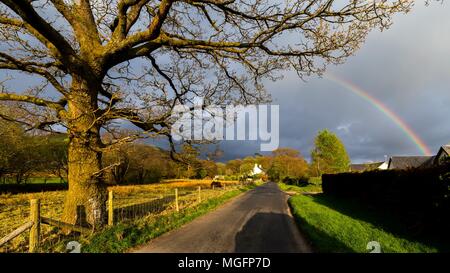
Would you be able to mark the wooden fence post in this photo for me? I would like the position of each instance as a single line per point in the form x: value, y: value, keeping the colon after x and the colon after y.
x: 110, y: 209
x: 176, y: 200
x: 199, y: 194
x: 35, y: 217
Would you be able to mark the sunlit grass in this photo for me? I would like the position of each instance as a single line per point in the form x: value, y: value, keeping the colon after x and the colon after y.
x: 311, y: 188
x: 330, y: 230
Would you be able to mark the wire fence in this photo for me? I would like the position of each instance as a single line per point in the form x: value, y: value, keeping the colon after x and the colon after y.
x: 142, y: 201
x: 128, y: 203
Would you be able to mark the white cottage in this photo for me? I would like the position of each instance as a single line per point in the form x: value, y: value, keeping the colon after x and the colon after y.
x: 257, y: 169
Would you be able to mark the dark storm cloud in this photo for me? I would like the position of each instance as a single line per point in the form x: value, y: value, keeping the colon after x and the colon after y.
x: 406, y: 67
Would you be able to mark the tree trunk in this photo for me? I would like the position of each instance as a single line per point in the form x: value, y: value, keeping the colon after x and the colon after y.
x: 85, y: 202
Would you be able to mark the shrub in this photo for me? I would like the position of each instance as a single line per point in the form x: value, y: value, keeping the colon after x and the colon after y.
x: 231, y: 178
x: 216, y: 184
x: 417, y: 197
x: 296, y: 181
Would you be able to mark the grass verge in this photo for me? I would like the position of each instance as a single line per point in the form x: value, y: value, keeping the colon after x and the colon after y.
x: 330, y: 230
x: 124, y: 236
x: 315, y: 188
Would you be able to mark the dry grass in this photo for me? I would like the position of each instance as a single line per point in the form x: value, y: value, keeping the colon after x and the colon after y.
x: 14, y: 209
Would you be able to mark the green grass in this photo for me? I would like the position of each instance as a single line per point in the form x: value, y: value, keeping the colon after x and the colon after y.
x: 44, y: 180
x: 309, y: 188
x: 34, y: 180
x: 315, y: 180
x: 124, y: 236
x: 329, y: 229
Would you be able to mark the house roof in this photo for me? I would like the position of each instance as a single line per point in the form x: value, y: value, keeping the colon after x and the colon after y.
x: 444, y: 152
x: 405, y: 162
x: 446, y: 149
x: 365, y: 166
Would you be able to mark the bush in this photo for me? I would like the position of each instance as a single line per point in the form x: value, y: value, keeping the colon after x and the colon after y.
x: 202, y: 173
x: 216, y: 184
x: 142, y: 177
x: 417, y: 197
x: 296, y: 181
x: 315, y: 181
x: 231, y: 177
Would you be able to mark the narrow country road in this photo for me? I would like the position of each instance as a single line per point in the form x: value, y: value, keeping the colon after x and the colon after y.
x: 257, y: 221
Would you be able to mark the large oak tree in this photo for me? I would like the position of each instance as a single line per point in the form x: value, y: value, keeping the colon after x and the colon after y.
x: 96, y: 62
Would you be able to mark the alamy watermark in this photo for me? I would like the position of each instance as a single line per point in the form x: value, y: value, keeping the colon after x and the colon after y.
x: 374, y: 247
x: 73, y: 247
x: 229, y: 122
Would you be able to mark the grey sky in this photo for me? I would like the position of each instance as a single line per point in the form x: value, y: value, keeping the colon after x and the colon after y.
x: 406, y: 67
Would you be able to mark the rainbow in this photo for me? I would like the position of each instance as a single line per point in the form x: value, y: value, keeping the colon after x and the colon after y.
x: 421, y: 145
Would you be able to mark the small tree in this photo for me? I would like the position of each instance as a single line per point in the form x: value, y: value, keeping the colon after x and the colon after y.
x: 221, y: 168
x: 119, y: 160
x: 22, y: 153
x: 287, y: 162
x: 10, y: 137
x: 329, y: 154
x: 53, y: 155
x: 234, y: 166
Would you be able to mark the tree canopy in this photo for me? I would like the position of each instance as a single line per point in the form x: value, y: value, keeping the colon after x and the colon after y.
x: 329, y: 154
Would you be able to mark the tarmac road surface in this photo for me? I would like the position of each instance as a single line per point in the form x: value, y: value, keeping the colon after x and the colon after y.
x: 257, y: 221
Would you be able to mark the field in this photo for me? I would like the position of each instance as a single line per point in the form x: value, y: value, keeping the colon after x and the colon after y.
x: 334, y: 225
x: 34, y: 180
x: 130, y: 202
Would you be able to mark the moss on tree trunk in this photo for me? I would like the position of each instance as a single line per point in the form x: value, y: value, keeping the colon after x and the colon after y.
x: 85, y: 202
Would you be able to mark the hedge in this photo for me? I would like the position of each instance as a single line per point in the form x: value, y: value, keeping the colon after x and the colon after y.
x: 417, y: 197
x: 296, y: 181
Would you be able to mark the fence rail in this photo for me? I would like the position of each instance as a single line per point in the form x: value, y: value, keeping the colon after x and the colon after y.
x: 16, y: 232
x: 62, y: 225
x: 34, y: 225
